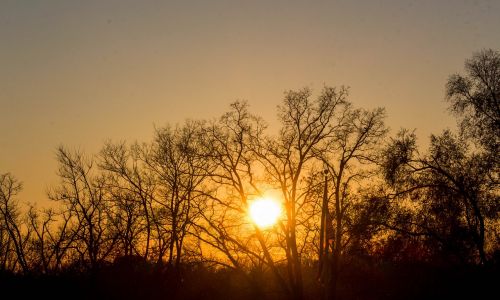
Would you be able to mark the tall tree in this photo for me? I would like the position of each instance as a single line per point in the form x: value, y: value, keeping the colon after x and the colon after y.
x: 83, y: 192
x: 180, y: 170
x: 289, y: 158
x: 133, y: 188
x: 453, y: 188
x: 457, y: 185
x: 475, y: 99
x: 233, y: 176
x: 11, y: 222
x: 350, y: 156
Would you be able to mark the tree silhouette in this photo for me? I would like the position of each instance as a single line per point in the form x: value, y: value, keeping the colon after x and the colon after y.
x: 348, y: 156
x: 456, y: 185
x: 84, y: 194
x: 452, y: 186
x: 359, y: 210
x: 133, y: 190
x: 180, y: 171
x: 475, y: 99
x: 11, y: 224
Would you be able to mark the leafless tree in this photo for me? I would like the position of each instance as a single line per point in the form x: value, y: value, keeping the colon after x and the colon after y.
x: 350, y: 157
x: 53, y: 237
x: 233, y: 183
x: 180, y: 171
x: 83, y: 192
x: 291, y: 158
x: 133, y: 190
x: 11, y: 224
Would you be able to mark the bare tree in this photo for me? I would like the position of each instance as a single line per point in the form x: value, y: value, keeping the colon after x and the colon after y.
x: 352, y: 148
x: 53, y: 237
x: 133, y: 188
x: 233, y: 183
x: 83, y: 193
x: 306, y: 126
x: 11, y: 222
x: 180, y: 170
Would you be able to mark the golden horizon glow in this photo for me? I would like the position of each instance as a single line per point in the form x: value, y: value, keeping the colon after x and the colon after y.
x: 79, y: 73
x: 265, y: 212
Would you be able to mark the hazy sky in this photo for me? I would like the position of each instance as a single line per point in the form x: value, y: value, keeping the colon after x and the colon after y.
x: 80, y: 72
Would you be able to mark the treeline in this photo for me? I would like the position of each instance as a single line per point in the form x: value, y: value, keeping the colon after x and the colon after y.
x: 350, y: 193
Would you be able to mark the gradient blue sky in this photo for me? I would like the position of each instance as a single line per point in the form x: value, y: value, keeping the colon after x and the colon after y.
x: 80, y: 72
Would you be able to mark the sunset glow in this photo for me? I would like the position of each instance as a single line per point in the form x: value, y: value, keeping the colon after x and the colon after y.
x: 249, y: 149
x: 265, y: 212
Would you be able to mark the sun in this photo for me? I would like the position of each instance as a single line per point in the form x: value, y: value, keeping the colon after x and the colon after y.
x: 265, y: 212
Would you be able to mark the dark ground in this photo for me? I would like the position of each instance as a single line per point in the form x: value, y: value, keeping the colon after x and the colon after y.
x: 359, y: 281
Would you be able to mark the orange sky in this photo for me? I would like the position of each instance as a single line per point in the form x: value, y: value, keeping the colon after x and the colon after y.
x: 80, y: 72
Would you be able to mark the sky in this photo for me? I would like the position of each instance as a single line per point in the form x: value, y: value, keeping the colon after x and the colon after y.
x: 78, y: 73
